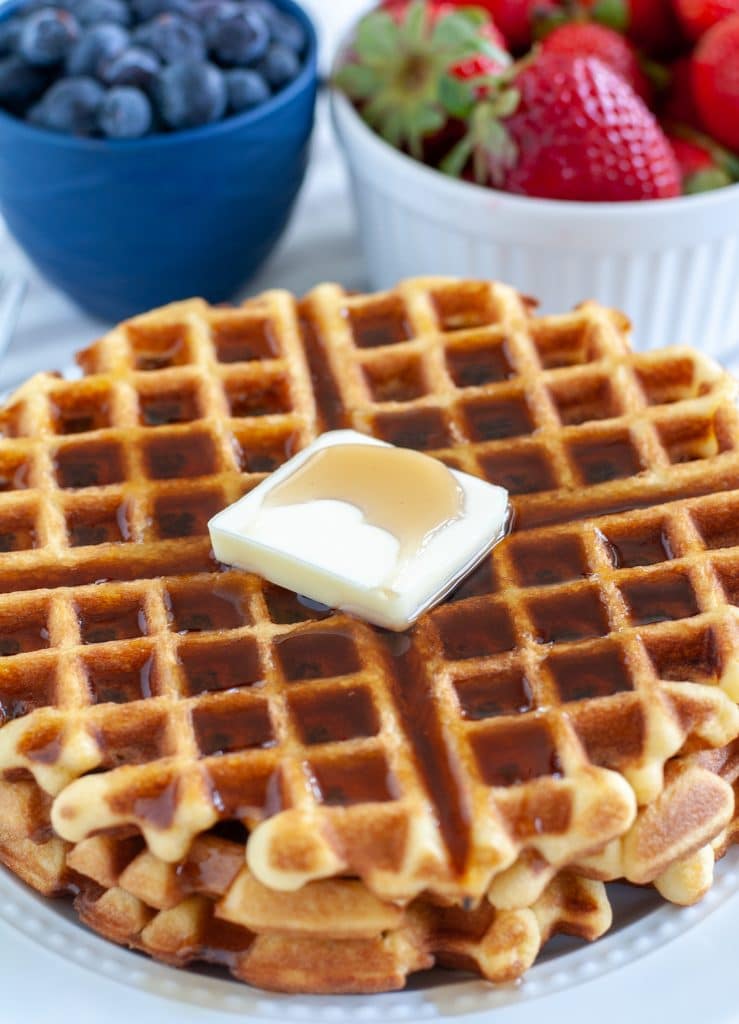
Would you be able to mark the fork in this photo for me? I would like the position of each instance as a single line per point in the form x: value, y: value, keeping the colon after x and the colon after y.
x: 12, y: 293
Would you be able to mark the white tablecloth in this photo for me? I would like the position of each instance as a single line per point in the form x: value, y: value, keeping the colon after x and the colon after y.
x: 320, y: 244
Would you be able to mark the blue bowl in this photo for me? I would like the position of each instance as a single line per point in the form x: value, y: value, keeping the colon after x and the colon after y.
x: 125, y: 226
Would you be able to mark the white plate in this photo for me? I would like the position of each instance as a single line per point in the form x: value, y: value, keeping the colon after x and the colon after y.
x: 678, y: 959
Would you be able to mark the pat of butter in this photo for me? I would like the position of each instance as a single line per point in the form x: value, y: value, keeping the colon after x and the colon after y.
x: 383, y: 540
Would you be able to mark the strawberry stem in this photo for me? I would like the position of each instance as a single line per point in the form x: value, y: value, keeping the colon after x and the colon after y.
x: 400, y: 73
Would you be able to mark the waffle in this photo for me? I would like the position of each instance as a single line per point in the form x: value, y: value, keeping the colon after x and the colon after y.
x: 673, y: 843
x: 331, y: 936
x: 526, y: 722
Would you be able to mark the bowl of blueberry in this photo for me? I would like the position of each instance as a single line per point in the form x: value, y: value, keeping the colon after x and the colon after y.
x: 152, y: 149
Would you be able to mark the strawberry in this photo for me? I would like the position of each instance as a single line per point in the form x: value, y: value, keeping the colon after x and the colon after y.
x: 583, y: 39
x: 716, y: 81
x: 654, y: 28
x: 697, y: 16
x: 699, y: 170
x: 512, y: 18
x: 582, y: 133
x: 416, y: 69
x: 704, y: 164
x: 516, y: 19
x: 577, y: 131
x: 651, y: 25
x: 678, y: 104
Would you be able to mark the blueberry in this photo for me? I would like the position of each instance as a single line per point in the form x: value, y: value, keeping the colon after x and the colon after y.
x: 264, y: 7
x: 95, y: 47
x: 47, y: 36
x: 208, y: 12
x: 20, y: 84
x: 71, y: 105
x: 172, y: 37
x: 10, y: 35
x: 246, y: 89
x: 280, y: 65
x: 125, y: 113
x: 242, y: 38
x: 92, y: 12
x: 135, y: 66
x: 287, y: 30
x: 190, y: 93
x: 144, y: 10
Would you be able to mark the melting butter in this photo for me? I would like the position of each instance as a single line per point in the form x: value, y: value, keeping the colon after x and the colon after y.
x: 380, y: 532
x: 409, y: 495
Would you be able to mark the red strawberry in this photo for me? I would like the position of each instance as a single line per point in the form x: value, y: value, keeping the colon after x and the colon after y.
x: 581, y: 133
x: 699, y: 170
x: 651, y: 24
x: 697, y: 16
x: 516, y: 19
x: 679, y: 101
x: 513, y: 18
x: 654, y: 27
x: 703, y: 163
x: 587, y: 39
x: 716, y: 81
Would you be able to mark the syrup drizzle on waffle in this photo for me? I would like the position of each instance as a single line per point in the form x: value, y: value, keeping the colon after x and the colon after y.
x: 410, y: 780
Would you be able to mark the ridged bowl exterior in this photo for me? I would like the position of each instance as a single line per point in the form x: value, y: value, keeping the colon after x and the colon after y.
x: 671, y: 265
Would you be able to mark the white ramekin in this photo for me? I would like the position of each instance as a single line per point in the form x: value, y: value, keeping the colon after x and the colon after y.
x: 671, y: 265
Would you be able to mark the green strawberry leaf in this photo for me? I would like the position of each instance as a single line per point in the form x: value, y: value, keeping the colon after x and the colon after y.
x: 495, y: 153
x: 393, y: 128
x: 613, y: 13
x: 456, y: 36
x: 457, y: 158
x: 477, y: 16
x: 730, y: 163
x: 456, y: 97
x: 429, y: 120
x: 425, y: 122
x: 659, y: 75
x: 357, y: 80
x: 494, y: 52
x: 506, y: 102
x: 414, y: 27
x: 488, y: 144
x: 706, y: 181
x: 377, y: 39
x: 545, y: 21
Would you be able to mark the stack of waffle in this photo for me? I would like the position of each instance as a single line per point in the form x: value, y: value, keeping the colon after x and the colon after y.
x: 219, y: 770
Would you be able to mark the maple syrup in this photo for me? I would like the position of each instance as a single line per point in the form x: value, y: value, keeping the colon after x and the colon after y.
x: 399, y: 491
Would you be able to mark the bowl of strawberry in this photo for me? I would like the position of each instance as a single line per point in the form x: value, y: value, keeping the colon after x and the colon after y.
x: 577, y: 148
x: 152, y: 149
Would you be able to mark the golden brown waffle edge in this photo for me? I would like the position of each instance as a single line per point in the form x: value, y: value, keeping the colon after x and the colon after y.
x: 183, y: 409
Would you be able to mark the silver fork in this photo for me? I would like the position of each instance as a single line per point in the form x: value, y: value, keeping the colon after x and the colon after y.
x: 12, y: 293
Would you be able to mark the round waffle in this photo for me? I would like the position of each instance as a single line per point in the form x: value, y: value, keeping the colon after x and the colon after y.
x: 520, y: 728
